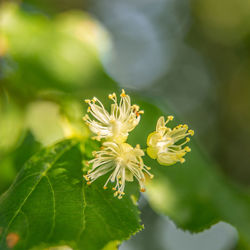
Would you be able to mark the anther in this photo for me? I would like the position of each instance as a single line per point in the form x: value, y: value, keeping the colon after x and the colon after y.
x: 142, y: 189
x: 135, y: 108
x: 182, y: 160
x: 187, y: 149
x: 85, y: 118
x: 86, y: 177
x: 185, y: 126
x: 191, y: 132
x: 170, y: 118
x: 123, y: 94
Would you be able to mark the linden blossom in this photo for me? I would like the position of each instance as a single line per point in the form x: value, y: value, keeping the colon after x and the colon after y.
x: 116, y: 125
x: 124, y: 161
x: 121, y: 159
x: 162, y: 143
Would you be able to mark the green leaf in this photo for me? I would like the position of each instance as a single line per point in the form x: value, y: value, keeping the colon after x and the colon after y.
x: 11, y: 162
x: 49, y: 204
x: 195, y: 194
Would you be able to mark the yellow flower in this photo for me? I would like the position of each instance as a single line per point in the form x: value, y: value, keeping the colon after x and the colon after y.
x: 162, y: 143
x: 125, y: 163
x: 116, y: 125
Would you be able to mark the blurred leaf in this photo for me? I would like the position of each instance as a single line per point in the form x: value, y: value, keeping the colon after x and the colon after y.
x: 11, y: 124
x: 49, y: 56
x: 195, y: 194
x: 12, y: 161
x: 44, y: 120
x: 25, y: 150
x: 49, y: 204
x: 53, y: 7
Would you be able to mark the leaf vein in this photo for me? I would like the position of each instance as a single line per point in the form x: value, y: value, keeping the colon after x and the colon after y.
x: 54, y: 207
x: 33, y: 188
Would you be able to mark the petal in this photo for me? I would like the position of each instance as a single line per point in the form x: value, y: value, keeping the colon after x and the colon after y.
x: 165, y: 160
x: 129, y: 175
x: 152, y: 152
x: 160, y: 124
x: 153, y: 139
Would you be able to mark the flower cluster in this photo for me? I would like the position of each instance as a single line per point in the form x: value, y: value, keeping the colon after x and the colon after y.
x: 118, y: 158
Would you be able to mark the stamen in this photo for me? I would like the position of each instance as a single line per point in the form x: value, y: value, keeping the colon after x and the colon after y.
x: 187, y: 149
x: 86, y: 177
x: 185, y: 126
x: 123, y: 94
x: 85, y: 118
x: 182, y: 160
x: 170, y: 117
x: 191, y: 132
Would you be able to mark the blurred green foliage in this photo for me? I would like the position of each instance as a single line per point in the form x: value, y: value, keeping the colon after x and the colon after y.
x: 45, y: 58
x: 194, y: 195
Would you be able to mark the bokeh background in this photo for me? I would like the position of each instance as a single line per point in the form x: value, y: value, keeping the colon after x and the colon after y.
x: 190, y: 56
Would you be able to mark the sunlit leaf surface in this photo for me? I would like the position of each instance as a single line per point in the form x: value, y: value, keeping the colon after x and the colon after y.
x: 49, y: 203
x: 12, y: 161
